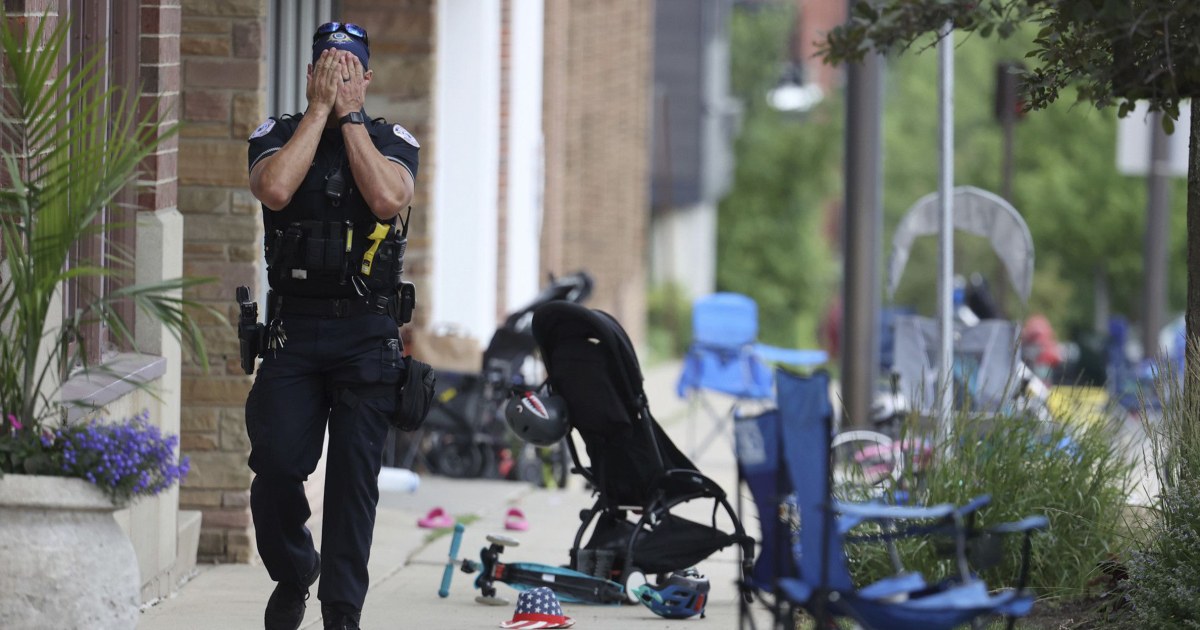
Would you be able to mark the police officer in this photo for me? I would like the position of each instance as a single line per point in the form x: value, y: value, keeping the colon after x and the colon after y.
x: 332, y: 183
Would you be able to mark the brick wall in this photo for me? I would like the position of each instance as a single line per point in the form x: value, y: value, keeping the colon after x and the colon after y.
x: 814, y: 18
x: 224, y: 99
x: 597, y: 103
x: 21, y: 14
x: 25, y: 13
x: 402, y: 54
x: 502, y: 306
x: 158, y: 186
x: 597, y: 90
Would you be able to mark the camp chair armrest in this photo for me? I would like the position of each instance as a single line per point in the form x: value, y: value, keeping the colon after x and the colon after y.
x: 877, y: 511
x: 974, y: 505
x: 1027, y: 524
x: 790, y: 356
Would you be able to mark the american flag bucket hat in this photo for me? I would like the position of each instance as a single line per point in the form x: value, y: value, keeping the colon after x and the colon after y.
x: 538, y: 608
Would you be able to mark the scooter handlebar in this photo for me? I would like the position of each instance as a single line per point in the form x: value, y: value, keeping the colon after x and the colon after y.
x: 448, y: 573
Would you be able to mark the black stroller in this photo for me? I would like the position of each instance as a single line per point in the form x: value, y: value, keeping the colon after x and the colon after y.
x: 464, y: 435
x: 638, y: 474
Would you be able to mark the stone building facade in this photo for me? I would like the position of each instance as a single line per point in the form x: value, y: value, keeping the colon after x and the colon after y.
x: 595, y: 189
x: 221, y: 52
x: 207, y: 66
x: 597, y: 103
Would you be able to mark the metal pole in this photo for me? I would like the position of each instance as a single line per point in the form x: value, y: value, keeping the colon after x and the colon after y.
x: 862, y: 238
x: 1006, y: 87
x: 946, y: 223
x: 1157, y: 202
x: 1007, y: 128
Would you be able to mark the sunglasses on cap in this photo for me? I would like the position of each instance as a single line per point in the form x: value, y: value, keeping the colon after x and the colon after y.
x: 345, y: 27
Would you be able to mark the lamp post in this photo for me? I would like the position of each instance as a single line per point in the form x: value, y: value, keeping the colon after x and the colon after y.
x: 862, y: 237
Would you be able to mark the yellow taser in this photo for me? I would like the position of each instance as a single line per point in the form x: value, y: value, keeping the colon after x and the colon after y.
x: 376, y: 237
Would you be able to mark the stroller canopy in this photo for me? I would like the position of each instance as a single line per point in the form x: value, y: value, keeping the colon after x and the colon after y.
x: 592, y: 365
x: 573, y: 338
x: 633, y: 464
x: 977, y: 212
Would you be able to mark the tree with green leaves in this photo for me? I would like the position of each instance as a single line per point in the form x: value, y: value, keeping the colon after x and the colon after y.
x: 1064, y: 173
x: 1113, y: 52
x: 771, y: 243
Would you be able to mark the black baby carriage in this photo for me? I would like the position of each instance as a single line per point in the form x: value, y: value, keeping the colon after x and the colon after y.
x: 639, y: 475
x: 464, y: 435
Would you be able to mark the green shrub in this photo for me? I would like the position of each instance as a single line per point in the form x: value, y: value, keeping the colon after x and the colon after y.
x: 1074, y: 473
x: 1164, y: 577
x: 669, y: 321
x: 1164, y: 573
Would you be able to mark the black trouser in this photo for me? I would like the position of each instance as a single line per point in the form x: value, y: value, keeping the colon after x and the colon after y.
x: 295, y: 395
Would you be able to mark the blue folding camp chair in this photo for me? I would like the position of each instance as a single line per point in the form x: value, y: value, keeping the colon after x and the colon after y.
x: 725, y: 357
x: 784, y: 455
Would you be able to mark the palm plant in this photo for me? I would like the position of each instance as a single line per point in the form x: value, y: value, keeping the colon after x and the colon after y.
x: 68, y: 146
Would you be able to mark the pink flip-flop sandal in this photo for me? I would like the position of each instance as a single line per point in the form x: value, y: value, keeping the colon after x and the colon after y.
x: 436, y: 519
x: 515, y: 520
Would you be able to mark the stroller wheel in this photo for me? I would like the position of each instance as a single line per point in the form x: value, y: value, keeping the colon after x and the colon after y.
x: 545, y: 466
x: 633, y: 579
x: 491, y: 601
x: 460, y: 460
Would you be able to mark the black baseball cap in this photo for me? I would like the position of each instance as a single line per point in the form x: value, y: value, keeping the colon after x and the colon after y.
x: 343, y: 36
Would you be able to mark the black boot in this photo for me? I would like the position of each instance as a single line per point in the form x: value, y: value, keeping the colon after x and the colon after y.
x: 285, y: 609
x: 336, y: 619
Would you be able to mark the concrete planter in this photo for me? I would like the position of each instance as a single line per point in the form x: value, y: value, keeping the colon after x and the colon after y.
x: 66, y: 563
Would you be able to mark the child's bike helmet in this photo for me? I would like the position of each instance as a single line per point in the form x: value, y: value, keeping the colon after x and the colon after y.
x: 682, y: 595
x: 537, y: 419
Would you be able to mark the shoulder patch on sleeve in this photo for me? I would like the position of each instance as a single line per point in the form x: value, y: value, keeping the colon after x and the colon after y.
x: 405, y: 135
x: 263, y: 129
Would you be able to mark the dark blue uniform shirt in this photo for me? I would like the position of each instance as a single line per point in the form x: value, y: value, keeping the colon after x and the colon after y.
x: 311, y: 206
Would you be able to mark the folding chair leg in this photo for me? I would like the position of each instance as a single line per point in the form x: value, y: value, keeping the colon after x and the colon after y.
x: 724, y: 424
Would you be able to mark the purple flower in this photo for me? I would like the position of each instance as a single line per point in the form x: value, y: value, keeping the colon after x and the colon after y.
x: 16, y: 424
x: 128, y: 458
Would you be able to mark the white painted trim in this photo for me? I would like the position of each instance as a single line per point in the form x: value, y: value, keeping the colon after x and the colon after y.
x: 466, y: 155
x: 525, y: 172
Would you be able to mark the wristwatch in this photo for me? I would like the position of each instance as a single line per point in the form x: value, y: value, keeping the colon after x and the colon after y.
x: 354, y: 118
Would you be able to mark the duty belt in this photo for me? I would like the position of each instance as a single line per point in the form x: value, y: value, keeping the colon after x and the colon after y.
x: 323, y: 307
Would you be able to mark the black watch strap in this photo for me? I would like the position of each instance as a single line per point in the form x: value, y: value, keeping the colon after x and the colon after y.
x: 354, y: 118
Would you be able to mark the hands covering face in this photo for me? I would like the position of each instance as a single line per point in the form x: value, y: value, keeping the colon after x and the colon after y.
x: 352, y: 85
x: 337, y: 82
x: 323, y: 82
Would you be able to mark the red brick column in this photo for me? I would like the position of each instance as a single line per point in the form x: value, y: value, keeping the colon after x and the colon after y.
x: 502, y: 307
x: 23, y: 14
x: 160, y: 20
x: 598, y: 77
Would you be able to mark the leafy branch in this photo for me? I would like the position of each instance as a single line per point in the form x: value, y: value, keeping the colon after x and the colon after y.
x: 1111, y: 50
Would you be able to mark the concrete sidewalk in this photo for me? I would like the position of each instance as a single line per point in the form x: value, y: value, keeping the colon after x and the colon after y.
x: 407, y: 561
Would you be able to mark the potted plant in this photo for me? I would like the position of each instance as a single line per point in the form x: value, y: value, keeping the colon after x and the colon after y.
x: 67, y: 564
x: 68, y: 146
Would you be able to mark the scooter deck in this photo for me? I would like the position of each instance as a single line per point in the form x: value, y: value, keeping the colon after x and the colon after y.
x: 568, y: 584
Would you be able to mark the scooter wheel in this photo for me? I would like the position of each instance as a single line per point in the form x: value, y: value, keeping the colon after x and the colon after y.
x: 633, y: 579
